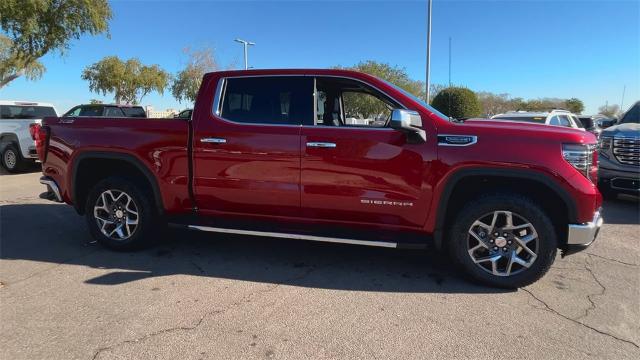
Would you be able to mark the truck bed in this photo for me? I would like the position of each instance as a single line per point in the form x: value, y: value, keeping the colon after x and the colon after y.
x: 159, y: 144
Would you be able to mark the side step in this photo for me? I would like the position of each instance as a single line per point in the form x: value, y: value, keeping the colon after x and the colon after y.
x: 294, y: 236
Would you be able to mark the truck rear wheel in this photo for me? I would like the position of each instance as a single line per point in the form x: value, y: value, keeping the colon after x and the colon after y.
x: 503, y: 240
x: 119, y: 214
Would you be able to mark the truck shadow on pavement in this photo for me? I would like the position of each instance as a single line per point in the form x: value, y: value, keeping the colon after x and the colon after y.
x: 54, y: 233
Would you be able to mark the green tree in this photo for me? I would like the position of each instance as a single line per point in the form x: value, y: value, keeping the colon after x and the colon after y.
x: 574, y: 105
x: 34, y: 28
x: 368, y: 106
x: 609, y: 111
x: 187, y: 81
x: 129, y: 80
x: 457, y: 102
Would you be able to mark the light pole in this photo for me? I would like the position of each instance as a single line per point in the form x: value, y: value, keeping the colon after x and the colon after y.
x: 428, y: 51
x: 245, y: 45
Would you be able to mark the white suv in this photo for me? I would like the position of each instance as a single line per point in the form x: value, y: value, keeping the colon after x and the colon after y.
x: 554, y: 117
x: 16, y: 145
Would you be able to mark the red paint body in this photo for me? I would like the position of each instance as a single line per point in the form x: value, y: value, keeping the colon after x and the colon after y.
x: 266, y: 172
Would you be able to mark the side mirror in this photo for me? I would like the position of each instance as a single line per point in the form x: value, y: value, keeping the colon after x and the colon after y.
x: 409, y: 122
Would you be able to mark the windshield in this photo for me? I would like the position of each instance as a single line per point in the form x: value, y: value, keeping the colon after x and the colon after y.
x: 418, y: 100
x: 25, y: 112
x: 632, y: 116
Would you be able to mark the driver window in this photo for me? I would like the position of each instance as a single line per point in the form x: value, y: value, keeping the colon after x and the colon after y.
x: 363, y: 109
x: 346, y: 102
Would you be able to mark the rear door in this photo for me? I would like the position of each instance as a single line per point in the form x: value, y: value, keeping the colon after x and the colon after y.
x: 355, y: 168
x: 247, y: 149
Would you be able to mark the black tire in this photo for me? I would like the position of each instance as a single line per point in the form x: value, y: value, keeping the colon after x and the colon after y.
x: 521, y: 208
x: 607, y: 192
x: 12, y: 159
x: 147, y: 219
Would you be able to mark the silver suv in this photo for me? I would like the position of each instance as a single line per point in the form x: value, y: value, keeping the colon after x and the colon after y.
x: 619, y: 160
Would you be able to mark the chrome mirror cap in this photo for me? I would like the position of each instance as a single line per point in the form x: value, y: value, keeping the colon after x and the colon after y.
x: 401, y: 118
x: 409, y: 122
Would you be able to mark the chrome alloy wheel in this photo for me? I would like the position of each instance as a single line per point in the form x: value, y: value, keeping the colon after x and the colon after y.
x: 502, y: 243
x: 116, y: 214
x: 10, y: 158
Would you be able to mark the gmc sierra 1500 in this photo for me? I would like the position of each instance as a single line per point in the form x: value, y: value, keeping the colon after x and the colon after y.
x: 336, y: 156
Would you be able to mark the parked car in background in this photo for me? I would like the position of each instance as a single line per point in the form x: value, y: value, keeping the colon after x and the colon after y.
x: 259, y: 158
x: 106, y: 110
x: 619, y: 160
x: 184, y: 114
x: 17, y: 146
x: 555, y: 117
x: 591, y: 123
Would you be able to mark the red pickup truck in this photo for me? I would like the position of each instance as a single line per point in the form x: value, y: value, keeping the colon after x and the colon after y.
x: 335, y: 156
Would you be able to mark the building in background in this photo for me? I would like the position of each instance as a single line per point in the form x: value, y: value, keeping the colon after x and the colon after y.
x: 167, y: 113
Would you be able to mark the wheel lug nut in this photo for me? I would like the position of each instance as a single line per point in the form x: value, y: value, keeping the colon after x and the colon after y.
x: 505, y: 234
x: 495, y: 248
x: 504, y: 249
x: 509, y: 242
x: 491, y: 241
x: 495, y: 234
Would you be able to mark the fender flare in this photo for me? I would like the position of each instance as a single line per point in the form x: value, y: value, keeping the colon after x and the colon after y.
x: 132, y: 160
x: 458, y: 175
x: 9, y: 138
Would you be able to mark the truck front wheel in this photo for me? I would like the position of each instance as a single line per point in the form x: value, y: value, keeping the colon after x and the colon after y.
x: 119, y: 214
x: 503, y: 240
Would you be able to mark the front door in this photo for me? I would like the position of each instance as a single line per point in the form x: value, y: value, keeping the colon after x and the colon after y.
x: 247, y: 158
x: 354, y: 167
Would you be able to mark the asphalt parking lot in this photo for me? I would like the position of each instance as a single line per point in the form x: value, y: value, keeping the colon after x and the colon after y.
x: 204, y: 296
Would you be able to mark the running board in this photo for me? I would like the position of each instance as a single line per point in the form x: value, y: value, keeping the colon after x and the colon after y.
x: 294, y: 236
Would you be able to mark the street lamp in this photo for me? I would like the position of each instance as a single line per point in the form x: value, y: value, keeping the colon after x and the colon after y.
x: 245, y: 45
x: 428, y: 51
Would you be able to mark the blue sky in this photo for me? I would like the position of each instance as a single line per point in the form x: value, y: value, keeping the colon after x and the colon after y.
x: 530, y: 49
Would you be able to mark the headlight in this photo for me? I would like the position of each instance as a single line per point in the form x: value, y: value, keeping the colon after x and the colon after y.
x: 583, y: 157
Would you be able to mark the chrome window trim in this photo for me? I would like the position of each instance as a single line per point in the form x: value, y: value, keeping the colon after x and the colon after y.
x: 473, y: 137
x: 218, y: 100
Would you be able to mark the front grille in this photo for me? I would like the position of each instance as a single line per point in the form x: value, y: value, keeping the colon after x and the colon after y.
x: 627, y: 150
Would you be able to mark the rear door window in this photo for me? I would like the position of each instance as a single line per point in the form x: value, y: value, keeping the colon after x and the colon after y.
x: 25, y: 112
x: 555, y: 120
x: 564, y: 121
x: 135, y: 111
x: 277, y: 100
x: 112, y: 111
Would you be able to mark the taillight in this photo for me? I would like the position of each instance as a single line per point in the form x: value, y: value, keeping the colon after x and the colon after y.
x: 584, y: 158
x: 33, y: 128
x: 40, y: 134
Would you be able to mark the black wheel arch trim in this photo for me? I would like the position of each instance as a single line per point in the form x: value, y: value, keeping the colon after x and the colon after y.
x: 438, y: 233
x: 8, y: 139
x: 116, y: 156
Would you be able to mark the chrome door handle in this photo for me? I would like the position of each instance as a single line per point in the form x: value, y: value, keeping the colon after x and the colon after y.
x: 213, y: 140
x: 321, y: 144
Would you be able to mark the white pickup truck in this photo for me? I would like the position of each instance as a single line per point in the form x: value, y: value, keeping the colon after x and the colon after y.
x: 17, y: 147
